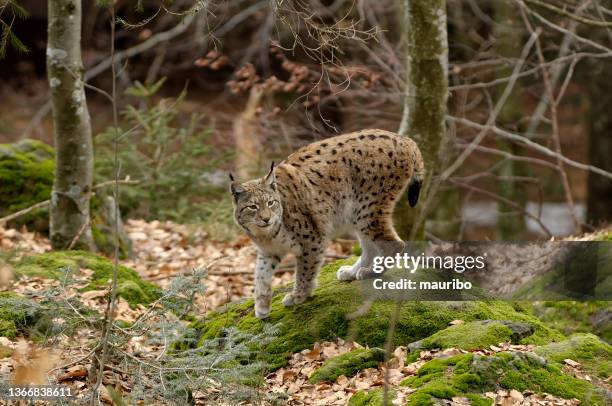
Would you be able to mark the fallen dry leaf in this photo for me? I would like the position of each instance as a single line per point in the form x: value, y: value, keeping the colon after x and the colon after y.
x: 571, y: 363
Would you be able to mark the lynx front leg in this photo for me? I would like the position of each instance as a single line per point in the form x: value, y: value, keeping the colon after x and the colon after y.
x: 264, y: 269
x: 305, y: 278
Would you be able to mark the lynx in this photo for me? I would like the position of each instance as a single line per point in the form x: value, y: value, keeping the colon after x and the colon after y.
x: 345, y: 184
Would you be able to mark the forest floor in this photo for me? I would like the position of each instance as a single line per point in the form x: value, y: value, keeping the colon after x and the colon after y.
x: 163, y: 250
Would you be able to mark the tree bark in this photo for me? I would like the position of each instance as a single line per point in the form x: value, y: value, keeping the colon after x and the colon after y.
x: 599, y: 207
x: 511, y: 225
x: 426, y: 93
x: 69, y: 209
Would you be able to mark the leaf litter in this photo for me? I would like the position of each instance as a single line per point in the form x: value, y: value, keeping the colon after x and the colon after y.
x: 164, y: 250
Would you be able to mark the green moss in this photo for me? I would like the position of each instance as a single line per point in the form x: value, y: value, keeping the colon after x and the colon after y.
x: 332, y: 313
x: 55, y: 265
x: 575, y: 316
x: 374, y: 397
x: 469, y: 336
x: 348, y: 364
x: 468, y: 375
x: 605, y: 237
x: 18, y: 314
x: 26, y: 176
x: 588, y: 349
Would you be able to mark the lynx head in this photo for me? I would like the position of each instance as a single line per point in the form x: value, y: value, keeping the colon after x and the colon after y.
x: 257, y: 205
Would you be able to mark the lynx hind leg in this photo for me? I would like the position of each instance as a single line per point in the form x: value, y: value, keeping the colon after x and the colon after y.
x: 353, y: 272
x: 306, y: 272
x: 384, y: 242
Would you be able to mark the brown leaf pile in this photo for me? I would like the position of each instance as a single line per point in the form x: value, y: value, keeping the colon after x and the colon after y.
x: 22, y: 240
x: 292, y: 380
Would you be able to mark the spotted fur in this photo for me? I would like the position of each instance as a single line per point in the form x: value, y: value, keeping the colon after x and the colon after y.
x: 345, y: 184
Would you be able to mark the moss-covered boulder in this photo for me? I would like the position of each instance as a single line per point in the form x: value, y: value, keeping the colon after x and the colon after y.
x: 27, y: 169
x: 26, y: 177
x: 338, y: 309
x: 576, y: 316
x: 475, y: 335
x: 470, y: 376
x: 374, y: 397
x: 587, y: 349
x: 348, y: 364
x: 55, y: 265
x: 18, y: 315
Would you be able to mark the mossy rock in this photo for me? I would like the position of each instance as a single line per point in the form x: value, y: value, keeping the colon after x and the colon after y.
x: 576, y: 316
x: 56, y: 265
x: 337, y: 309
x: 348, y: 364
x: 475, y: 335
x: 468, y: 375
x: 18, y: 315
x: 587, y: 349
x: 374, y: 397
x: 27, y: 169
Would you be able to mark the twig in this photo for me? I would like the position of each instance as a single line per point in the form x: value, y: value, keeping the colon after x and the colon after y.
x: 555, y: 127
x: 566, y: 13
x: 79, y: 234
x: 45, y: 203
x: 117, y: 58
x: 499, y: 106
x: 504, y: 200
x: 533, y: 145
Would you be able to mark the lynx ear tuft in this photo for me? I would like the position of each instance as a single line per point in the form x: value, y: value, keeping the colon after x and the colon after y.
x: 231, y: 177
x: 236, y: 190
x: 270, y: 179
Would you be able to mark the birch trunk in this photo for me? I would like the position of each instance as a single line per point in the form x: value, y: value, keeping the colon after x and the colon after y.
x: 426, y: 92
x: 69, y: 210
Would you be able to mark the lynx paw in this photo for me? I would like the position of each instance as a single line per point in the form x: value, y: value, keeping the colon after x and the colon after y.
x: 346, y: 273
x: 262, y: 313
x: 291, y: 299
x: 365, y: 273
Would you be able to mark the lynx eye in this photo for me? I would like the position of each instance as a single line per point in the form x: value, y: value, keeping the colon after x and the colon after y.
x: 252, y: 207
x: 271, y: 203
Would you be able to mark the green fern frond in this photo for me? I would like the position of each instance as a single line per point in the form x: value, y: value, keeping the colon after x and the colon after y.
x: 18, y: 10
x: 6, y: 31
x: 19, y: 46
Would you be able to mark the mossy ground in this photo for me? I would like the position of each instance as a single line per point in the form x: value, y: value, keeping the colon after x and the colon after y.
x: 470, y: 376
x: 332, y: 313
x: 374, y: 397
x: 576, y: 316
x: 589, y: 350
x: 58, y: 264
x: 348, y: 364
x: 469, y: 336
x: 19, y: 315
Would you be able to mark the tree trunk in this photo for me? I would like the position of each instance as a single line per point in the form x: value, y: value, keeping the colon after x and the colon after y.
x: 508, y: 43
x: 599, y: 207
x: 426, y: 93
x: 69, y: 211
x: 248, y: 161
